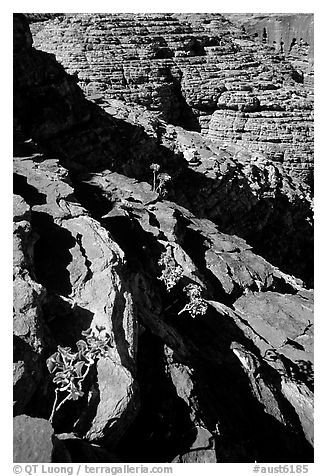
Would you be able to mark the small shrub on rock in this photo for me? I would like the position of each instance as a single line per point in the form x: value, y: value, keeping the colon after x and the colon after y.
x: 164, y: 179
x: 197, y: 305
x: 160, y: 181
x: 69, y: 369
x: 171, y: 272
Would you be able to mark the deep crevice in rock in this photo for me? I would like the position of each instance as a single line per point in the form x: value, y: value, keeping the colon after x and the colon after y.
x: 244, y: 425
x: 30, y: 194
x: 194, y: 244
x: 289, y: 250
x: 280, y: 231
x: 187, y: 119
x: 51, y: 254
x: 163, y: 427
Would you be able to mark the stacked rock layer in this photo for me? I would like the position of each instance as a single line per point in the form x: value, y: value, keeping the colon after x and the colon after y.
x: 131, y: 227
x: 200, y: 71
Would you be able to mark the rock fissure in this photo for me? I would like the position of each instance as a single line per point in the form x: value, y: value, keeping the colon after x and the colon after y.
x: 96, y: 249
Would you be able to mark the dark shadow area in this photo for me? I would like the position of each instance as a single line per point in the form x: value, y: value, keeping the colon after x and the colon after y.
x: 65, y: 320
x: 247, y: 432
x: 89, y: 196
x: 90, y: 140
x: 279, y: 230
x: 29, y: 193
x: 179, y: 113
x: 29, y: 361
x: 163, y: 53
x: 298, y: 76
x: 80, y: 451
x: 23, y: 146
x: 195, y: 47
x: 51, y: 254
x: 187, y: 118
x: 161, y: 48
x: 140, y: 247
x: 163, y: 428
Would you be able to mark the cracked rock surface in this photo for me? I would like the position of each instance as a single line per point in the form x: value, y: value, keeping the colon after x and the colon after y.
x: 211, y: 339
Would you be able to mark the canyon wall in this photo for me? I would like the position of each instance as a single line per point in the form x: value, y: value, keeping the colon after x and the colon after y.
x: 204, y: 73
x: 290, y: 29
x: 266, y: 208
x: 211, y: 341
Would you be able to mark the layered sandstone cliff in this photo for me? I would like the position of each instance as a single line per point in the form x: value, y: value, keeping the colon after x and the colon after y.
x: 98, y: 246
x: 204, y: 73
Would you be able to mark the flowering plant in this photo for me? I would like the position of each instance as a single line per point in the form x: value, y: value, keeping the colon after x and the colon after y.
x: 197, y: 305
x: 171, y: 272
x: 155, y: 168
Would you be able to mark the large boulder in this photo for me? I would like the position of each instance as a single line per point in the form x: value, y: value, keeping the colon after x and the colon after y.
x: 33, y: 440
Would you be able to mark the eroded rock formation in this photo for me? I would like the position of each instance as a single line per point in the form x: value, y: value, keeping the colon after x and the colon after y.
x: 202, y: 72
x: 98, y: 246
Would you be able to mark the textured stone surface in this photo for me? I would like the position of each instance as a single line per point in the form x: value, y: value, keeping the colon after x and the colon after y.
x: 201, y: 450
x: 269, y: 315
x: 231, y: 385
x: 285, y: 27
x: 226, y: 268
x: 80, y: 451
x: 78, y: 263
x: 273, y: 206
x: 186, y: 66
x: 118, y: 404
x: 32, y: 440
x: 231, y: 276
x: 27, y: 320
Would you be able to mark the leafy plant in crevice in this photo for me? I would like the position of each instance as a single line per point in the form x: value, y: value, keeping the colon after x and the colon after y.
x: 171, y: 275
x: 69, y: 369
x: 160, y: 181
x: 164, y: 179
x: 171, y: 272
x: 197, y: 305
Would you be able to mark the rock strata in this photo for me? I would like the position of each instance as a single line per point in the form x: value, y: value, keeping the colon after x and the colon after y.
x: 243, y: 198
x: 199, y: 73
x: 209, y: 355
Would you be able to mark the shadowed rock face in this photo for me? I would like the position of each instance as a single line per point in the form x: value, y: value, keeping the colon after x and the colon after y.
x: 99, y: 248
x: 242, y: 191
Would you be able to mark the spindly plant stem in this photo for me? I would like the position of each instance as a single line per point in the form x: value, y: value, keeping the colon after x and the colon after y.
x: 154, y: 180
x: 185, y: 308
x: 61, y: 403
x: 86, y: 372
x: 54, y: 406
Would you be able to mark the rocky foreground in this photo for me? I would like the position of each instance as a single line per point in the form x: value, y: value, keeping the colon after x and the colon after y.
x: 163, y: 303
